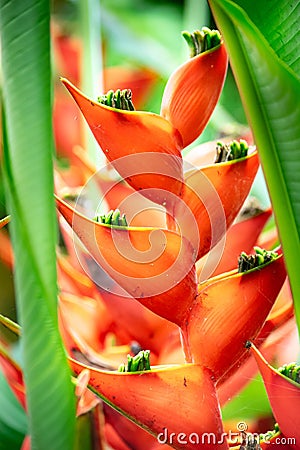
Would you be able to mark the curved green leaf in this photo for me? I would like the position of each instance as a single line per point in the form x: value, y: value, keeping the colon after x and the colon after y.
x: 13, y: 421
x: 28, y: 172
x: 278, y: 21
x: 270, y: 92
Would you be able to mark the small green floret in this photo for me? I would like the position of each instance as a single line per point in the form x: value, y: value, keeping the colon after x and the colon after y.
x: 118, y: 99
x: 260, y: 258
x: 233, y: 150
x: 200, y: 41
x: 113, y: 218
x: 137, y: 363
x: 291, y: 371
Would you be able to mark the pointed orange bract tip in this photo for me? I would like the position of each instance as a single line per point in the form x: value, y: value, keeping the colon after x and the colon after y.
x: 230, y: 311
x: 153, y: 265
x: 214, y: 195
x: 161, y: 399
x: 284, y: 397
x: 192, y: 92
x: 144, y: 147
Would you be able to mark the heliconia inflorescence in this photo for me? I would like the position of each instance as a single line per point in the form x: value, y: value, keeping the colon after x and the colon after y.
x: 157, y: 265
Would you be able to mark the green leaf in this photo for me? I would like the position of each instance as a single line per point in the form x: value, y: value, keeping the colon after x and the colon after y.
x: 250, y: 403
x: 28, y: 173
x: 270, y: 92
x: 278, y: 21
x: 148, y: 39
x: 13, y: 420
x: 84, y: 432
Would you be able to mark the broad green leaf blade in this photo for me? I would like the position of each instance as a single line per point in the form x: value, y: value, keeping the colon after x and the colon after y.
x: 270, y: 93
x: 28, y: 173
x: 13, y: 421
x: 278, y: 21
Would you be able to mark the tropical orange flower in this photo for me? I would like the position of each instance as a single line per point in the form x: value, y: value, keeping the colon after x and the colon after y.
x: 192, y: 91
x: 283, y: 390
x: 188, y: 390
x: 155, y: 275
x: 228, y: 309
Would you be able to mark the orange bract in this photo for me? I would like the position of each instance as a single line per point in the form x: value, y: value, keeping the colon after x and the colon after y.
x: 155, y: 266
x: 192, y: 92
x: 228, y: 312
x: 143, y: 147
x: 241, y: 236
x: 284, y: 396
x: 162, y: 399
x: 214, y: 195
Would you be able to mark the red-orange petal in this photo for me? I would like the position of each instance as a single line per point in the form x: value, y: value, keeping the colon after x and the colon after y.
x: 148, y: 329
x: 155, y: 266
x: 26, y: 445
x: 178, y: 399
x: 284, y: 396
x: 280, y: 324
x: 213, y: 195
x: 127, y: 431
x: 144, y: 147
x: 243, y: 374
x: 230, y: 311
x: 192, y: 92
x: 241, y: 236
x: 6, y: 254
x: 113, y: 438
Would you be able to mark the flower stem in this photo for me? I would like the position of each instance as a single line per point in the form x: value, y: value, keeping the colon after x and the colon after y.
x: 91, y: 64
